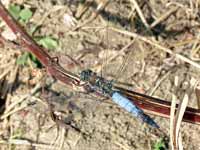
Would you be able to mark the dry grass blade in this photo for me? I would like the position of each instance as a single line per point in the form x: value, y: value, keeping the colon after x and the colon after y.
x: 10, y: 81
x: 8, y: 69
x: 175, y: 135
x: 140, y: 13
x: 164, y: 16
x: 45, y: 16
x: 172, y: 114
x: 10, y: 107
x: 5, y: 73
x: 59, y: 140
x: 195, y: 49
x: 197, y: 91
x: 124, y: 147
x: 62, y: 140
x: 5, y: 115
x: 180, y: 145
x: 159, y: 82
x: 27, y: 143
x: 178, y: 120
x: 23, y: 97
x: 100, y: 7
x: 157, y: 45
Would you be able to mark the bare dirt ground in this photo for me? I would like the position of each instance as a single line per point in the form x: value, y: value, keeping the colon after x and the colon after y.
x: 25, y: 119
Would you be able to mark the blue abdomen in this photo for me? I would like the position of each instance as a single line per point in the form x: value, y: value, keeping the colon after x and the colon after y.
x: 133, y: 109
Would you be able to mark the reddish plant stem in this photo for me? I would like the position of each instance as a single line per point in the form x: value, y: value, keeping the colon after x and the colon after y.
x: 149, y: 104
x: 50, y: 63
x: 25, y: 39
x: 160, y: 107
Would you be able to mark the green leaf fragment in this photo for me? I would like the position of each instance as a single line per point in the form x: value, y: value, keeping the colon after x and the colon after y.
x: 22, y: 60
x: 25, y: 14
x: 48, y: 42
x: 14, y: 10
x: 36, y: 62
x: 160, y: 145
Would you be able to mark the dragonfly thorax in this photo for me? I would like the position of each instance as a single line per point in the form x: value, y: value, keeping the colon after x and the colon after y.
x: 97, y: 82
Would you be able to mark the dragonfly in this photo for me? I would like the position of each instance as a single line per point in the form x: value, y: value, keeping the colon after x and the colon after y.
x: 100, y: 84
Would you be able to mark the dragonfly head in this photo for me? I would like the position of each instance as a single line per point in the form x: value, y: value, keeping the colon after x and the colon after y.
x: 85, y: 75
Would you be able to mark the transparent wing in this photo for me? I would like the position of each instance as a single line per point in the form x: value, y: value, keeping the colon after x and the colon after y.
x: 105, y: 51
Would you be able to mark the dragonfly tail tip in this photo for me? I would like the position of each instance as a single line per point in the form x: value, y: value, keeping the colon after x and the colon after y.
x: 150, y: 121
